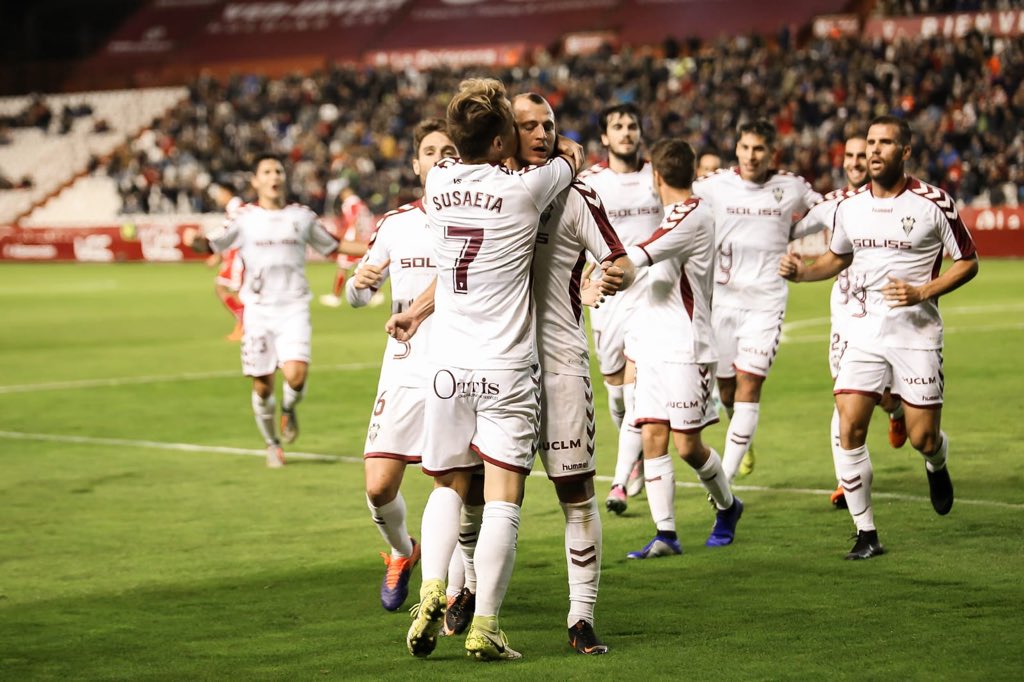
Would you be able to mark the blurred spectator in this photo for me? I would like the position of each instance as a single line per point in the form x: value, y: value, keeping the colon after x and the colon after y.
x: 347, y: 126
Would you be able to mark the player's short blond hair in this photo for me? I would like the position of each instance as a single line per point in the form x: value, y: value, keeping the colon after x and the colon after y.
x: 478, y: 113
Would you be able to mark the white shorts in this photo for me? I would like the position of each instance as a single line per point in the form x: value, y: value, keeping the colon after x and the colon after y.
x: 611, y: 325
x: 274, y: 335
x: 396, y: 424
x: 567, y: 427
x: 747, y: 340
x: 836, y: 346
x: 916, y: 375
x: 677, y: 394
x: 474, y: 416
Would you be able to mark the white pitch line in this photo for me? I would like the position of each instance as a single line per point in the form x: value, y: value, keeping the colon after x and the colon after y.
x: 956, y: 310
x: 318, y: 457
x: 823, y: 338
x: 187, y: 376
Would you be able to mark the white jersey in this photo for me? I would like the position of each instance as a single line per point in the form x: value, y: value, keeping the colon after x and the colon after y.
x: 402, y: 237
x: 272, y: 244
x: 752, y: 229
x: 821, y: 217
x: 572, y: 225
x: 675, y: 323
x: 635, y: 211
x: 900, y: 237
x: 484, y: 220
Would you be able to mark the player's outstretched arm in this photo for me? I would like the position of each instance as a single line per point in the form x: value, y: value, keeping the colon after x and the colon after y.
x: 195, y: 240
x: 402, y: 326
x: 900, y: 294
x: 829, y: 264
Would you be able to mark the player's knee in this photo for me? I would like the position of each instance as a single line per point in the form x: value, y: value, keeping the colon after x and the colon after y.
x: 572, y: 492
x: 925, y: 440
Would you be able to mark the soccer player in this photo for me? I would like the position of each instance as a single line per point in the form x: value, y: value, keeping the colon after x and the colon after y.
x: 675, y: 365
x: 821, y: 217
x: 753, y: 205
x: 625, y: 186
x: 891, y: 235
x: 708, y: 162
x: 229, y: 273
x: 356, y: 228
x: 271, y: 238
x: 573, y: 225
x: 483, y: 406
x: 401, y: 248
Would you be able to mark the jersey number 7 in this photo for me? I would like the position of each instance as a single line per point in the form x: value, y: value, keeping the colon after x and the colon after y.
x: 472, y: 238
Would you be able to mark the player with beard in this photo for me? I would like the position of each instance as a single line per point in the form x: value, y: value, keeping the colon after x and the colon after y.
x: 625, y: 186
x: 891, y: 234
x: 753, y: 205
x: 572, y: 226
x: 821, y: 217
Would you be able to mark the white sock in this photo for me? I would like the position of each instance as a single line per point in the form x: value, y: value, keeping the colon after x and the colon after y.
x: 615, y: 404
x: 631, y: 444
x: 937, y: 460
x: 390, y: 520
x: 712, y: 475
x: 835, y: 442
x: 469, y: 533
x: 855, y: 474
x: 660, y: 474
x: 264, y: 411
x: 456, y: 574
x: 583, y: 558
x: 439, y: 533
x: 741, y: 432
x: 495, y: 555
x: 291, y: 397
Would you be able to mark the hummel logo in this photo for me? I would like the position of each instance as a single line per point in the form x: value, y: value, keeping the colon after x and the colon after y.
x: 908, y: 225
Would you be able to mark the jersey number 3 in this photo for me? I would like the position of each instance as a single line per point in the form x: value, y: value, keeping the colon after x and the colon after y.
x: 472, y: 238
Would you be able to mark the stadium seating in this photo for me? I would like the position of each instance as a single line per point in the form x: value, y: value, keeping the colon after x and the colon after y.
x: 52, y: 158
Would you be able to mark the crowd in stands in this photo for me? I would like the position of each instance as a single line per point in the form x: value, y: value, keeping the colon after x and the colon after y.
x: 896, y: 8
x: 352, y: 126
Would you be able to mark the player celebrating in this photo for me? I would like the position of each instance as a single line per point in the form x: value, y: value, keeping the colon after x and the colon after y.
x: 625, y: 186
x: 402, y: 249
x: 229, y: 274
x: 891, y: 234
x: 272, y: 238
x: 675, y: 365
x: 708, y: 162
x: 574, y: 224
x: 753, y: 205
x: 821, y: 217
x: 484, y: 402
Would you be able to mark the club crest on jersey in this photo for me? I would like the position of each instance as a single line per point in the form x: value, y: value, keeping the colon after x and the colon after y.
x: 777, y: 193
x: 908, y: 225
x: 296, y: 227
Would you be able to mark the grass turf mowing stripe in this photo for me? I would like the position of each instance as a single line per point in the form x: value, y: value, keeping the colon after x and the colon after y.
x: 319, y: 457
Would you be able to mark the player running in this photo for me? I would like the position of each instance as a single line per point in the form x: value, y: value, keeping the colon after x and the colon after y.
x: 675, y: 363
x: 271, y: 238
x: 625, y: 186
x: 754, y: 205
x: 821, y: 217
x: 891, y: 235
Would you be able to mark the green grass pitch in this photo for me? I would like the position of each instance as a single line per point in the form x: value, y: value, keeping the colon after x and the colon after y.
x: 142, y: 537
